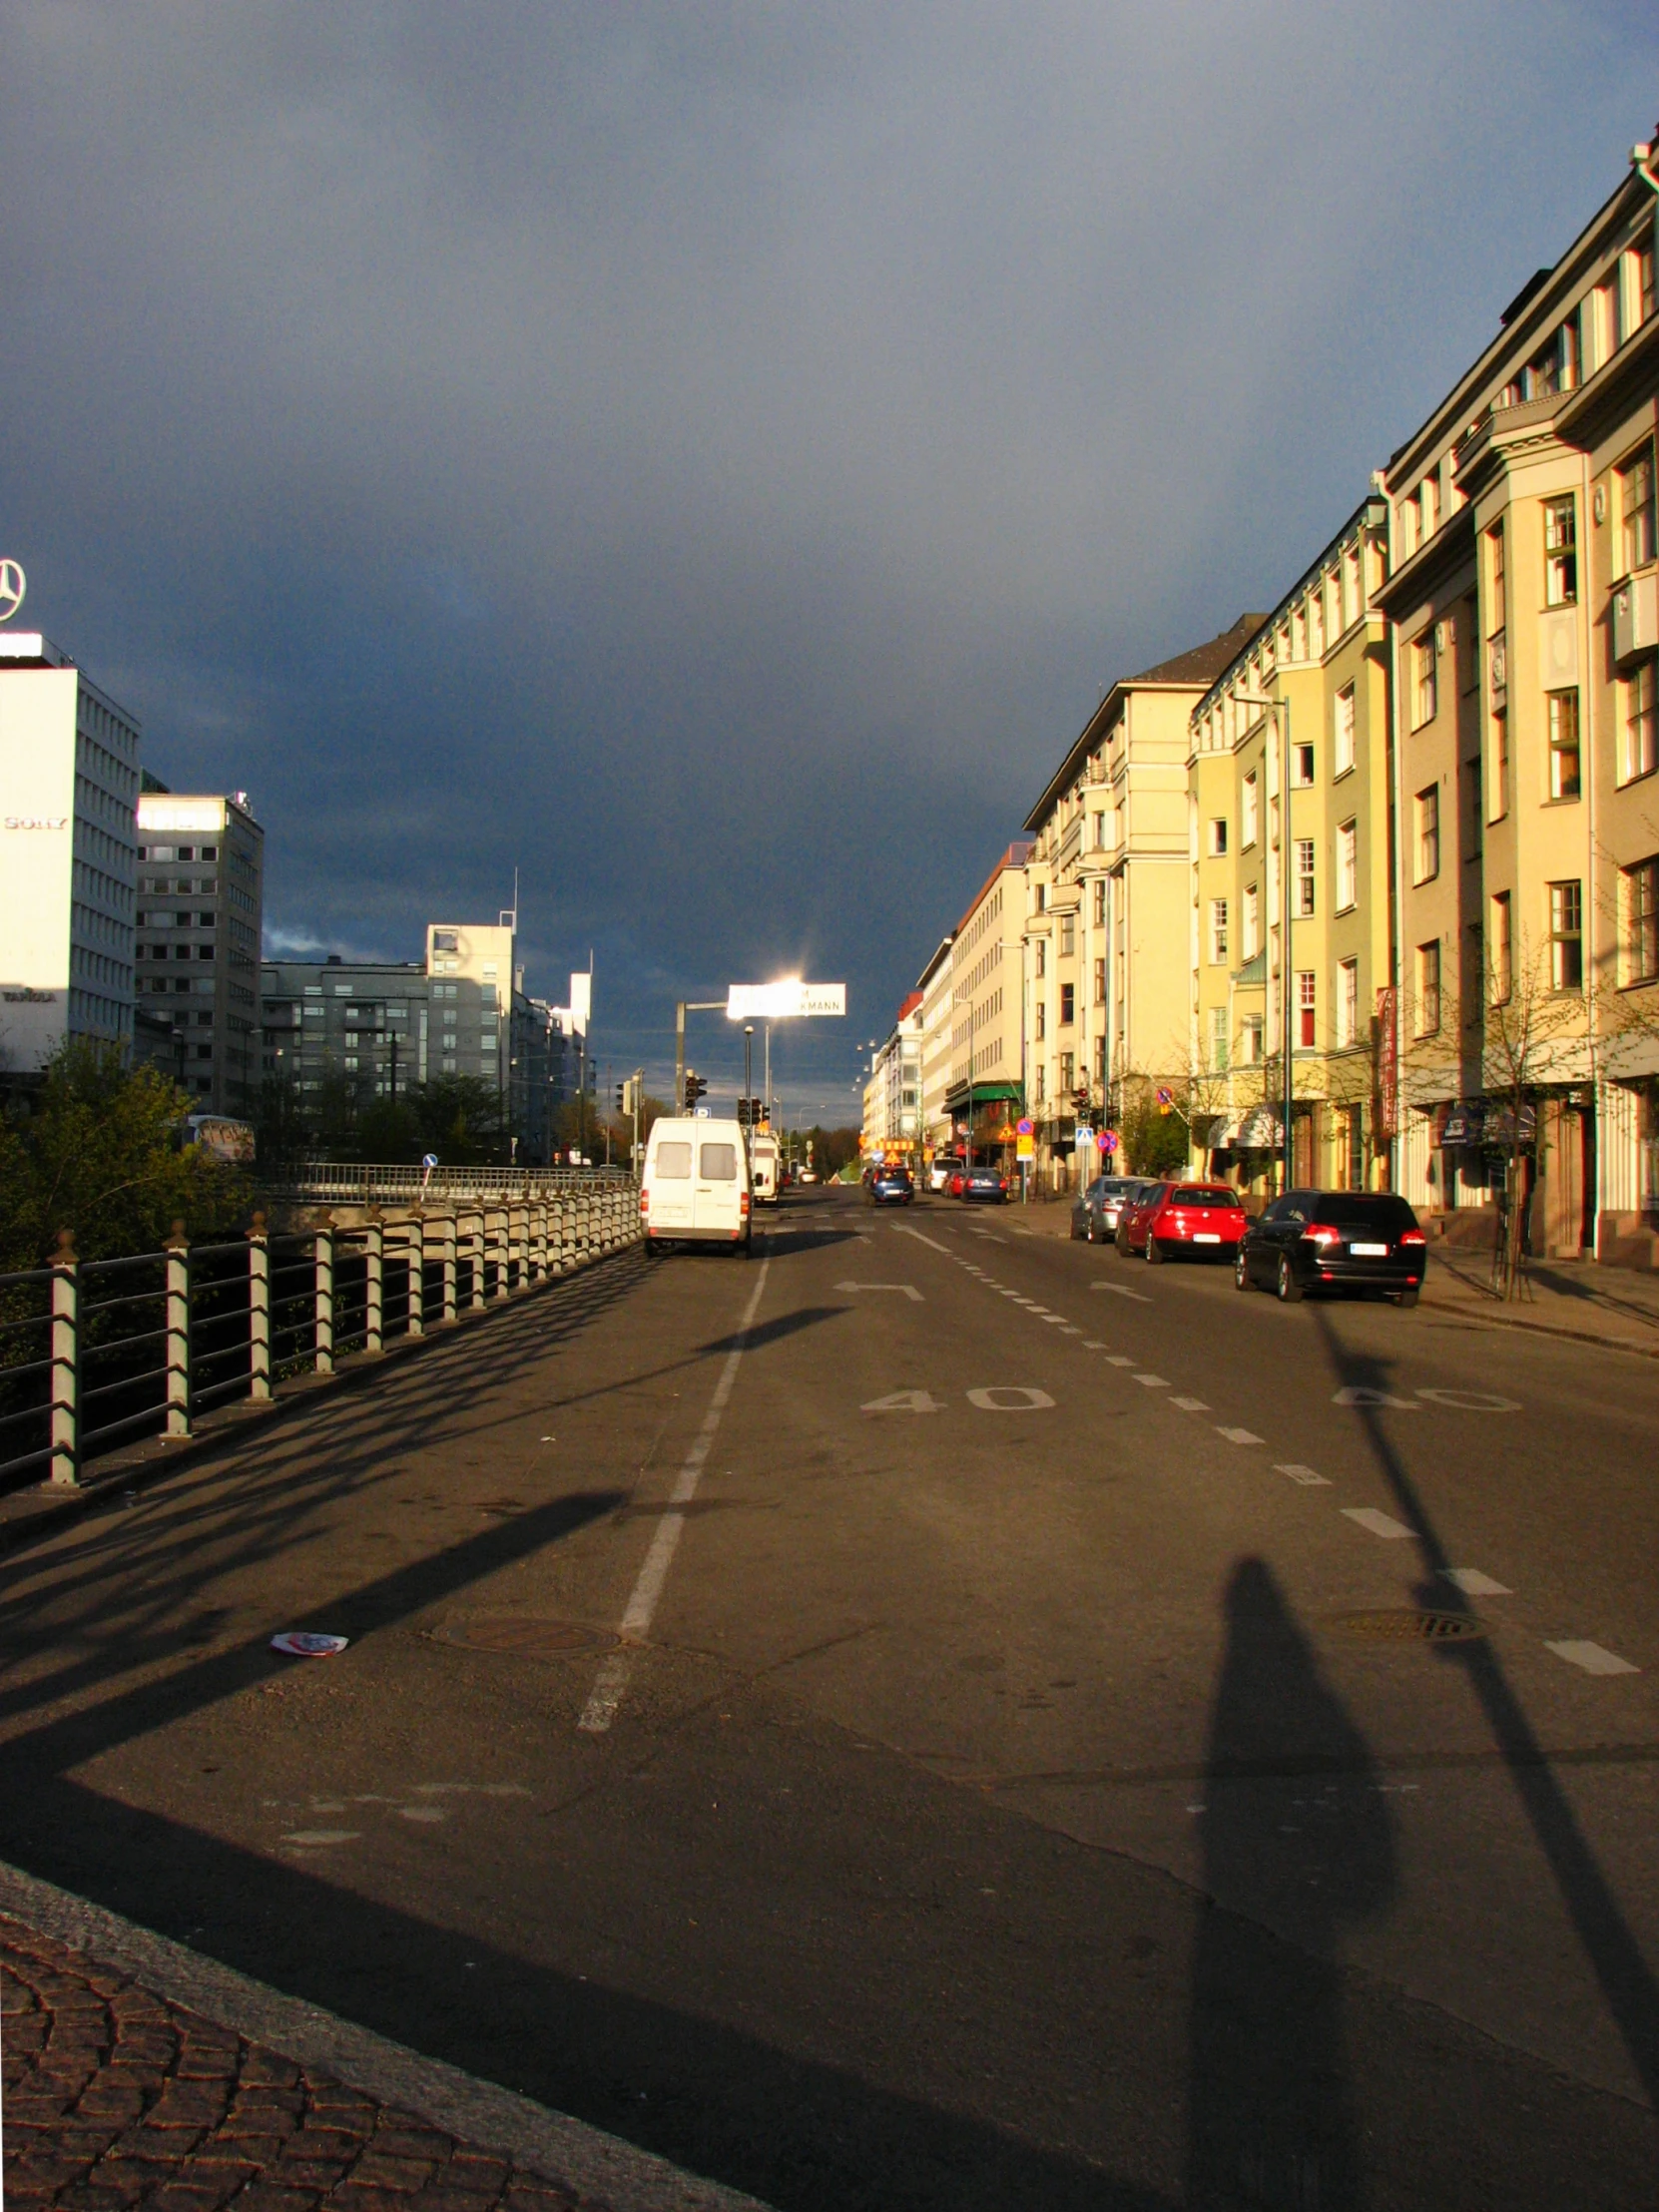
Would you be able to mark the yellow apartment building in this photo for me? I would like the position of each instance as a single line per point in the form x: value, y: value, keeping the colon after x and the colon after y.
x: 1312, y: 683
x: 1524, y: 642
x: 939, y: 1014
x: 1106, y: 985
x: 987, y: 1074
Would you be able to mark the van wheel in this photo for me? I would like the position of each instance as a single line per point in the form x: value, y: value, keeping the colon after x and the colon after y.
x: 1289, y: 1289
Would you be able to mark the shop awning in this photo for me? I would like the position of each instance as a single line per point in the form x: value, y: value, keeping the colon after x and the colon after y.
x: 984, y: 1094
x: 1260, y: 1131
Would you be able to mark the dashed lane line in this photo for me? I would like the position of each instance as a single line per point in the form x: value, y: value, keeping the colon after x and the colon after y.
x: 1239, y: 1436
x: 1593, y: 1658
x: 1305, y: 1475
x: 1152, y: 1382
x: 1473, y: 1583
x: 1122, y: 1289
x: 1191, y: 1404
x: 1378, y: 1524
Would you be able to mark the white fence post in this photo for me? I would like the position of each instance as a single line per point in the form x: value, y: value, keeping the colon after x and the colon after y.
x: 451, y: 1226
x: 475, y: 1244
x: 374, y: 1254
x: 504, y: 1251
x: 258, y: 1311
x: 66, y: 1363
x: 178, y: 1333
x: 414, y: 1250
x: 325, y: 1266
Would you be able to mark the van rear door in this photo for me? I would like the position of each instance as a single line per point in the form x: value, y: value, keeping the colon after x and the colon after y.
x: 716, y: 1186
x: 669, y: 1177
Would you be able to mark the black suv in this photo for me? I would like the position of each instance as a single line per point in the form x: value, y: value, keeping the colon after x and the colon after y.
x: 1332, y: 1241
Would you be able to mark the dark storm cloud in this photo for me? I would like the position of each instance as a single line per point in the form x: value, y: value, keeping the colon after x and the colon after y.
x: 711, y: 457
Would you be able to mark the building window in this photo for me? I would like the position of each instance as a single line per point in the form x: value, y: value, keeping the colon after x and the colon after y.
x: 1100, y: 905
x: 1042, y: 1018
x: 1563, y: 744
x: 1100, y: 982
x: 1042, y: 1085
x: 1068, y: 1073
x: 1566, y: 937
x: 1425, y: 687
x: 1042, y: 958
x: 1251, y: 1040
x: 1069, y: 1005
x: 1429, y: 988
x: 1304, y: 1008
x: 1218, y: 932
x: 1252, y: 923
x: 1218, y: 837
x: 1637, y: 753
x: 1304, y: 875
x: 1218, y: 1040
x: 1501, y: 981
x: 1560, y: 552
x: 1068, y: 935
x: 1636, y: 509
x: 1341, y: 759
x: 1641, y: 922
x: 1248, y: 825
x: 1040, y: 896
x: 1348, y: 1002
x: 1500, y: 767
x: 1100, y: 832
x: 1347, y: 866
x: 1425, y: 811
x: 1302, y: 765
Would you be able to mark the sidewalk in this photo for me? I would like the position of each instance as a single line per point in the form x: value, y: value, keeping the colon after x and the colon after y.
x: 128, y: 2086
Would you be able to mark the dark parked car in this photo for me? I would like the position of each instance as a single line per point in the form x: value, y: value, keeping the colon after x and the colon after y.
x: 1332, y: 1241
x: 988, y: 1185
x: 891, y: 1187
x: 1203, y: 1221
x: 1097, y: 1207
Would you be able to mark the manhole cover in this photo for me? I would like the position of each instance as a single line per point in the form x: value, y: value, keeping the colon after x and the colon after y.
x: 520, y: 1633
x: 1405, y: 1624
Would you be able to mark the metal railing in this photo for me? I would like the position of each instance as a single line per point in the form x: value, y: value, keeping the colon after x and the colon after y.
x: 97, y: 1353
x: 345, y: 1182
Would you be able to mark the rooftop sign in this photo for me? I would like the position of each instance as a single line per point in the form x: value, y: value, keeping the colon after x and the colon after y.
x: 784, y: 1001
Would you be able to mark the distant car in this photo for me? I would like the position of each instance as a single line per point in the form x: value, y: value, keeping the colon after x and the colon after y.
x: 939, y: 1174
x: 891, y: 1187
x: 1097, y: 1207
x: 1205, y: 1221
x: 1335, y: 1241
x: 988, y: 1186
x: 807, y: 1175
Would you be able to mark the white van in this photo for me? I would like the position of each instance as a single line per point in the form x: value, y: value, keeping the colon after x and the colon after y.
x: 695, y: 1189
x: 763, y: 1165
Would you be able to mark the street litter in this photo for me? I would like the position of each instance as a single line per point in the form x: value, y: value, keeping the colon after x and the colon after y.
x: 299, y: 1643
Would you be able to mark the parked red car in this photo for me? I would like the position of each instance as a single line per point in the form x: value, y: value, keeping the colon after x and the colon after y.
x: 1205, y: 1221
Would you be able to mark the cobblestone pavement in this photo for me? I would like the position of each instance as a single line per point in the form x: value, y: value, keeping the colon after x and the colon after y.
x: 115, y: 2098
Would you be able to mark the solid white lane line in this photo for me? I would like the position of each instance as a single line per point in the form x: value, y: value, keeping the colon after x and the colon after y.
x: 1189, y: 1404
x: 1303, y: 1475
x: 1240, y: 1436
x: 612, y: 1679
x: 1379, y: 1524
x: 1593, y: 1658
x: 1473, y: 1583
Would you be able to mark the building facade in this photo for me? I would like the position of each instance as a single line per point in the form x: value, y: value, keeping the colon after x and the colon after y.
x: 938, y: 1022
x: 69, y: 781
x: 200, y: 921
x: 988, y: 1030
x: 892, y: 1126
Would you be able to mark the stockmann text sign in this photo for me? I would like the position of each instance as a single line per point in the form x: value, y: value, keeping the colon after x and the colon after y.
x: 785, y: 1001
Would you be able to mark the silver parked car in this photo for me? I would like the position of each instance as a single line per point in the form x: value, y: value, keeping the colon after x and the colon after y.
x: 1097, y: 1207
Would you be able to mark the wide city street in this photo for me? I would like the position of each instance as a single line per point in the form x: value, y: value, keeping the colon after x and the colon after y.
x: 937, y: 1715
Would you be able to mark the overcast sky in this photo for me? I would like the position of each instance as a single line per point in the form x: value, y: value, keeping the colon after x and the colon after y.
x: 713, y: 457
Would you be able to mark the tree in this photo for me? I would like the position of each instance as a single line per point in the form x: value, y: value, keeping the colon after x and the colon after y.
x: 102, y: 1155
x: 1154, y: 1141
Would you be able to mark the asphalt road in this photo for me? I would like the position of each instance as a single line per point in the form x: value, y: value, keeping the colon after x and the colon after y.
x: 1021, y: 1782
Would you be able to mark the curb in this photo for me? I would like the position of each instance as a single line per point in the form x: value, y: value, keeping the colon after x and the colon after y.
x: 153, y: 1457
x: 1482, y: 1318
x: 578, y: 2158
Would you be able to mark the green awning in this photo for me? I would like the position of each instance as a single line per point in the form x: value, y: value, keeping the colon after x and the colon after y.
x: 984, y: 1094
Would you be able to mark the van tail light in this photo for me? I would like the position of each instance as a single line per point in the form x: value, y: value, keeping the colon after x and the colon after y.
x: 743, y: 1205
x: 1412, y: 1237
x: 645, y: 1203
x: 1319, y: 1235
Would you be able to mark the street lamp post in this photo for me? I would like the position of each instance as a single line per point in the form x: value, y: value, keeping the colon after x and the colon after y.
x: 1281, y: 708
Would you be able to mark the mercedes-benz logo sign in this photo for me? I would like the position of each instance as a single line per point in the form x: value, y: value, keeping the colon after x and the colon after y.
x: 11, y: 588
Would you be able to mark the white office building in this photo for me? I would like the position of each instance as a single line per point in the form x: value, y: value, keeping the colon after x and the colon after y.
x: 69, y: 781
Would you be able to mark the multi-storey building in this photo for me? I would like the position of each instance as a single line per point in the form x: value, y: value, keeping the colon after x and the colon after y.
x: 893, y: 1096
x: 1288, y: 853
x: 1105, y: 980
x: 1527, y: 852
x: 69, y: 777
x: 987, y: 1075
x: 200, y: 919
x: 938, y: 1021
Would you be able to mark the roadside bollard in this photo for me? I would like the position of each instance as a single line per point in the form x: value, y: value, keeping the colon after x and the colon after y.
x: 258, y: 1311
x: 375, y: 1253
x: 65, y: 1345
x: 323, y: 1250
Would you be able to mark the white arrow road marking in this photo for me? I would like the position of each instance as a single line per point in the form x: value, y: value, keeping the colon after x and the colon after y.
x: 1379, y: 1524
x: 612, y: 1679
x: 1123, y: 1291
x: 1024, y: 1399
x: 1593, y: 1658
x: 904, y: 1402
x: 1357, y: 1394
x: 1473, y: 1583
x: 903, y: 1229
x: 907, y: 1290
x: 1303, y: 1475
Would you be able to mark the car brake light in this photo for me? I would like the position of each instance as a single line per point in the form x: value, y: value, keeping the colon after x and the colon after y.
x: 1319, y: 1235
x: 1412, y: 1236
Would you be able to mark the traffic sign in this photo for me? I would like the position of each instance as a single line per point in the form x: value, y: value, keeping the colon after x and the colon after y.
x: 1025, y: 1147
x: 1107, y: 1141
x: 1085, y: 1133
x: 1022, y: 1127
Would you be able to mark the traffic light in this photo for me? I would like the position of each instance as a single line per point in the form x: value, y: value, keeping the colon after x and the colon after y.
x: 695, y: 1086
x: 622, y: 1098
